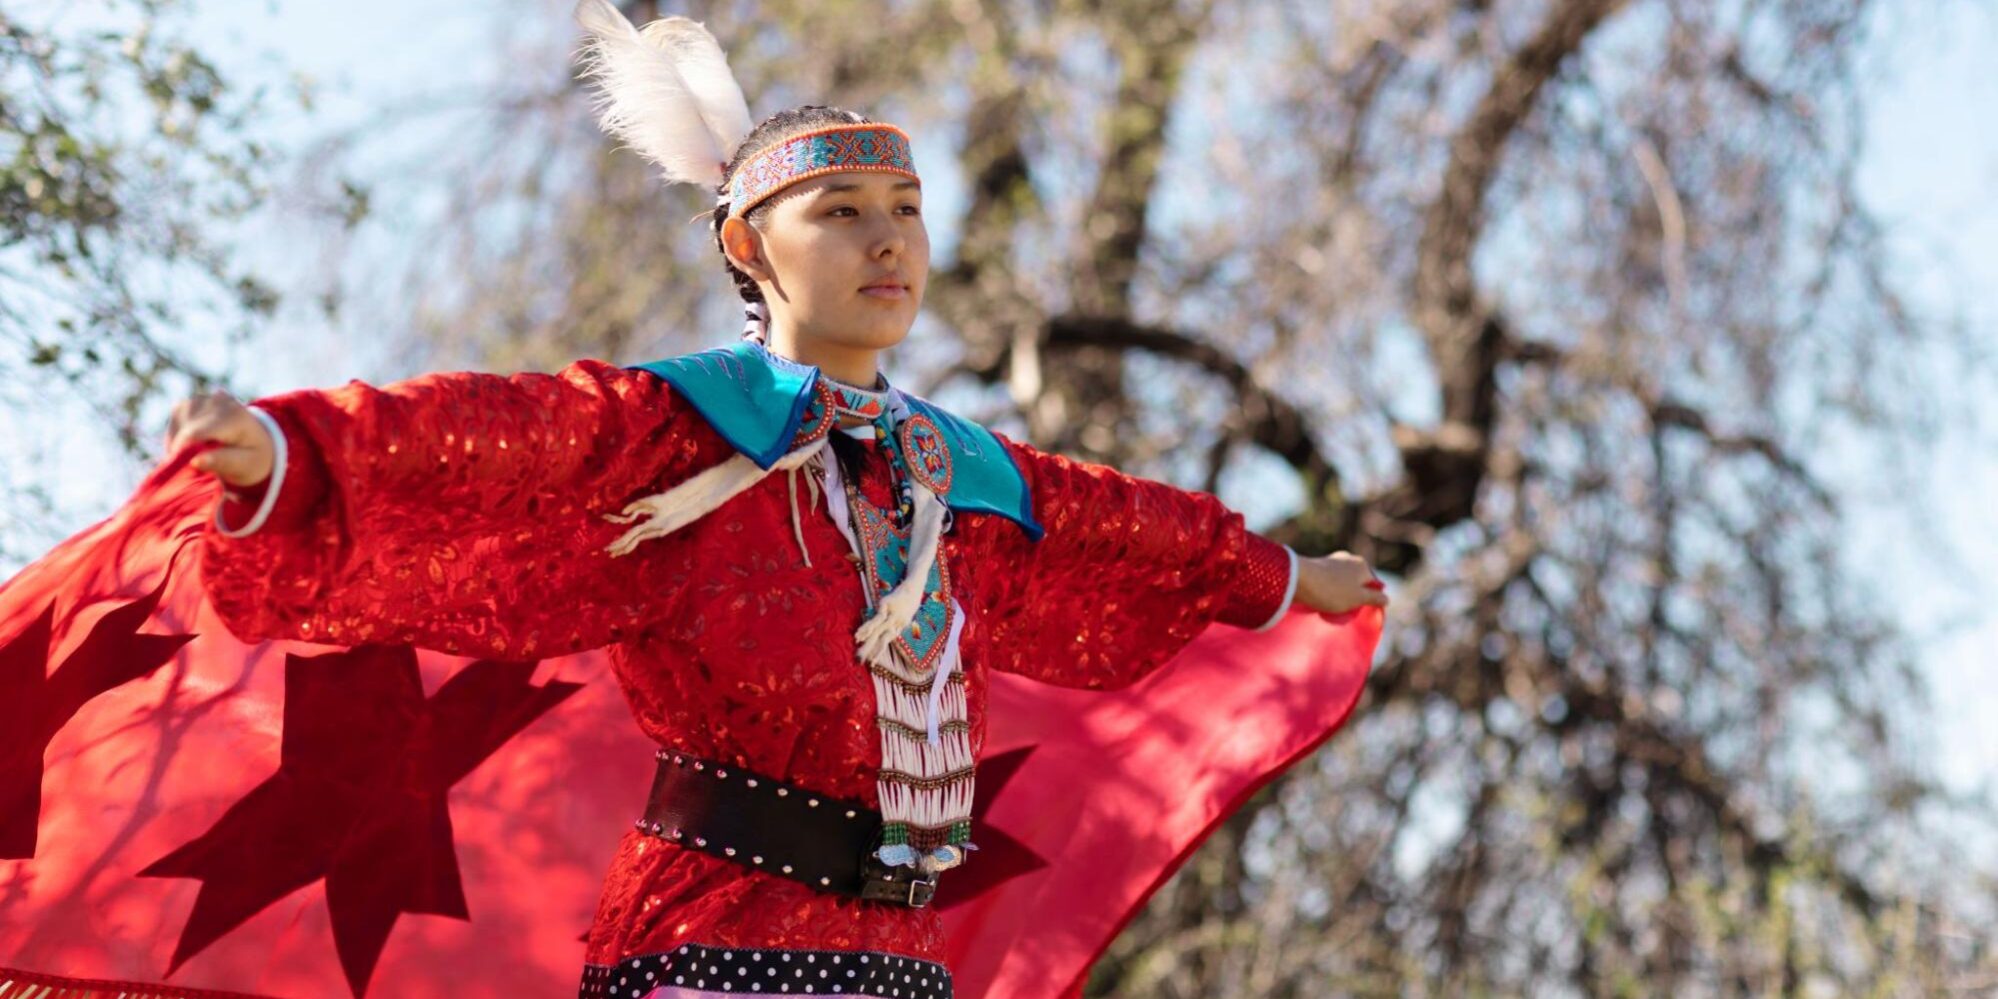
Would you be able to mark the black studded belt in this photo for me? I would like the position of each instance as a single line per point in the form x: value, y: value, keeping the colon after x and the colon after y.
x: 767, y: 825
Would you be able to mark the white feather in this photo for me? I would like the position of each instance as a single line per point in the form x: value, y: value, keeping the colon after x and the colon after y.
x: 704, y: 67
x: 667, y: 93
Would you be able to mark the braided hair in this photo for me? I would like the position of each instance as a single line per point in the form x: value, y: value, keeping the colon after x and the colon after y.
x: 767, y: 133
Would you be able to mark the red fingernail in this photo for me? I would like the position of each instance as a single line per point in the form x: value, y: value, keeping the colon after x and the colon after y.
x: 1374, y: 584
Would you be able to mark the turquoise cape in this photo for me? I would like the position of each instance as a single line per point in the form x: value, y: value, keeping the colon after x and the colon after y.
x: 756, y: 399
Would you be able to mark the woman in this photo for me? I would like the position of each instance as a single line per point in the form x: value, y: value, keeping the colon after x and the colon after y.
x: 811, y: 656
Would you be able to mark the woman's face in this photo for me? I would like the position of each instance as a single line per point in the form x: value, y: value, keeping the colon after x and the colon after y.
x: 842, y: 258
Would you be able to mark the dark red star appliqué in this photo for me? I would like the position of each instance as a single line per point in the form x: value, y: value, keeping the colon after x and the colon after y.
x: 999, y: 858
x: 36, y: 703
x: 359, y: 798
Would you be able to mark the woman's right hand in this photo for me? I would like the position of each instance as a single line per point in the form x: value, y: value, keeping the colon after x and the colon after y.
x: 246, y: 454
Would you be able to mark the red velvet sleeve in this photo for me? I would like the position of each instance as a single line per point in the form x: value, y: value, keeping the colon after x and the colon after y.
x: 1130, y: 570
x: 457, y: 511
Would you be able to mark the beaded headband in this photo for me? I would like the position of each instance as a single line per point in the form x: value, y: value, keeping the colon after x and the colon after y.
x: 867, y: 146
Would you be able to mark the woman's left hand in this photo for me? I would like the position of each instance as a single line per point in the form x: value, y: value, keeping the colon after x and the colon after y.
x: 1336, y: 583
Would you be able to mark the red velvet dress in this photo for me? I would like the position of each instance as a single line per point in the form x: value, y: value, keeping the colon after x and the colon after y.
x: 463, y: 512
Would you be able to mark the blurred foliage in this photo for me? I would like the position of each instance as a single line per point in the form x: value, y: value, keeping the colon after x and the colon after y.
x: 123, y: 156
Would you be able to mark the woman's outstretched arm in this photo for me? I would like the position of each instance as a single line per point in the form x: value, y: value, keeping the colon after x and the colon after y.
x: 1130, y: 571
x: 459, y: 511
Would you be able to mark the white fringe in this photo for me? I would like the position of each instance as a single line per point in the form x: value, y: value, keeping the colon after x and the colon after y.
x: 908, y: 756
x: 900, y: 704
x: 695, y: 498
x: 928, y: 809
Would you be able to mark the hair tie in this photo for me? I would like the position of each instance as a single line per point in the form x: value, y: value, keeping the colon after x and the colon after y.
x: 756, y: 322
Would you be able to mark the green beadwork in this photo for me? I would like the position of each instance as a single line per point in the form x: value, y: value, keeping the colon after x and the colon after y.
x: 897, y: 833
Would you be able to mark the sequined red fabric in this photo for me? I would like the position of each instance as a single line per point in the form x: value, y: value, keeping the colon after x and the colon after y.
x: 1262, y: 586
x: 463, y: 512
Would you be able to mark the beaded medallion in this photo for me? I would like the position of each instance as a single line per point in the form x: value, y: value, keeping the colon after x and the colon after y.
x: 926, y: 454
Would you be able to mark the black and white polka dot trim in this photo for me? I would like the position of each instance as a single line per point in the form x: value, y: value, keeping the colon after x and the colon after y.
x: 766, y: 972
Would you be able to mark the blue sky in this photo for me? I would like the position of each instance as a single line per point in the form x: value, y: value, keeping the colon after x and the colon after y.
x: 1931, y: 171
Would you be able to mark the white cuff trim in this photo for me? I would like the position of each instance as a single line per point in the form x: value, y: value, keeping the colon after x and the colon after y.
x: 1289, y: 593
x: 270, y: 491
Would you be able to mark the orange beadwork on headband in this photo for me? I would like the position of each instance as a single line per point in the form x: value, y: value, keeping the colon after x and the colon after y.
x: 864, y: 146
